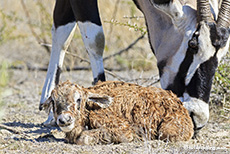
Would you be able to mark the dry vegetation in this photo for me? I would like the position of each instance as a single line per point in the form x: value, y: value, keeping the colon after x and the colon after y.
x: 23, y: 28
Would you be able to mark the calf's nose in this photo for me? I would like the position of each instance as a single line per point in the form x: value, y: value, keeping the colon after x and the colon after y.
x: 64, y: 119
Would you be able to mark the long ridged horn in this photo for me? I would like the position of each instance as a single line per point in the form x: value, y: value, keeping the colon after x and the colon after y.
x: 203, y: 11
x: 224, y: 14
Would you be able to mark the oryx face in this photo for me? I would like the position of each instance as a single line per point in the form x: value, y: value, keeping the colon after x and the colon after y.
x: 188, y: 42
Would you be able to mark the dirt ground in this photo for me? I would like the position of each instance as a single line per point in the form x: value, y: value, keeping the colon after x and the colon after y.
x: 22, y: 132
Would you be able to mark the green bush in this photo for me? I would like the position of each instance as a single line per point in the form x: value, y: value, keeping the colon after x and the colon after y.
x: 221, y: 87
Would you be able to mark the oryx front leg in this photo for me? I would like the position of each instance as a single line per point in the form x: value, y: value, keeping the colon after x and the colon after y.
x: 93, y: 38
x: 61, y: 37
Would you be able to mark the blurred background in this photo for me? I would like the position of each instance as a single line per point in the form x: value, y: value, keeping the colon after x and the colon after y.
x: 28, y: 23
x: 25, y: 39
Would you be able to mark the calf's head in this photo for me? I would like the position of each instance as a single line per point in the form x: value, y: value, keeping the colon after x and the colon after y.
x: 70, y: 104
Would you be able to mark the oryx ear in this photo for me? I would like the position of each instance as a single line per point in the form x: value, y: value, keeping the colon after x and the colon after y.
x: 103, y: 101
x: 47, y: 105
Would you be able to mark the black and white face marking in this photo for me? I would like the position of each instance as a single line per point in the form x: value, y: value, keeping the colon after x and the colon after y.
x: 188, y: 72
x: 193, y: 81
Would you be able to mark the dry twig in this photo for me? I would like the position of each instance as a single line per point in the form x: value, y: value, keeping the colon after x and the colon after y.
x: 125, y: 49
x: 106, y: 58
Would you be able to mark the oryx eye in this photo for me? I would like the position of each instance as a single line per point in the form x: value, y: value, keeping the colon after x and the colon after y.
x: 78, y: 107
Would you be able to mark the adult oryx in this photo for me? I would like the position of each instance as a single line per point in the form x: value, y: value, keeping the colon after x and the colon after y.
x: 188, y: 38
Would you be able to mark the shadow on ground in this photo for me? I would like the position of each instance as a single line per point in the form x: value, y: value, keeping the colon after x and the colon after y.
x: 33, y: 132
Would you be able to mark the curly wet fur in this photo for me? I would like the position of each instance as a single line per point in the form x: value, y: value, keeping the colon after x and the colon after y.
x: 136, y: 113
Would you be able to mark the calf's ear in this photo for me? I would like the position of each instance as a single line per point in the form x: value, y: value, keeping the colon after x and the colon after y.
x: 103, y: 101
x: 47, y: 105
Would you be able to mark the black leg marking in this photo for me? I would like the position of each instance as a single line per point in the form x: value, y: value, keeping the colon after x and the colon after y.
x: 86, y: 10
x: 178, y: 86
x: 67, y: 11
x: 57, y: 77
x: 100, y: 77
x: 63, y: 13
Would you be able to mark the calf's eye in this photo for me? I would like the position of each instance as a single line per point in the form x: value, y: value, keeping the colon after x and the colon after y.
x: 79, y: 100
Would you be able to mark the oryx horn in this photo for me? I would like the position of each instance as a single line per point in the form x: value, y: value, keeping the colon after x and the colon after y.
x: 203, y: 11
x: 224, y: 14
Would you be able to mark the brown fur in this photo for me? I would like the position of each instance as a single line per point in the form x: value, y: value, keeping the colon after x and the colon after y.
x: 136, y: 113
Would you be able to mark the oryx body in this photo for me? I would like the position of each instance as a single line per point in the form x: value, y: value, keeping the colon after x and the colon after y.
x: 188, y: 42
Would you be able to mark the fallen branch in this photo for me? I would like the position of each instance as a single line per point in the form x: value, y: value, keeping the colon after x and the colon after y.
x: 133, y: 17
x: 115, y: 75
x: 125, y: 49
x: 106, y: 58
x: 155, y: 79
x: 74, y: 55
x: 108, y: 71
x: 33, y: 68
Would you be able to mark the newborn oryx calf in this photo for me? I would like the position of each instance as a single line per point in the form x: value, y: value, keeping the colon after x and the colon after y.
x: 115, y: 112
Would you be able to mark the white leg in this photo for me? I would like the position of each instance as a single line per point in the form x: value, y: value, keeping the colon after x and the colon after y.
x: 61, y: 38
x: 93, y: 38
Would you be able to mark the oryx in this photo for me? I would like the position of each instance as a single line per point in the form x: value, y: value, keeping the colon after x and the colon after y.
x: 188, y: 38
